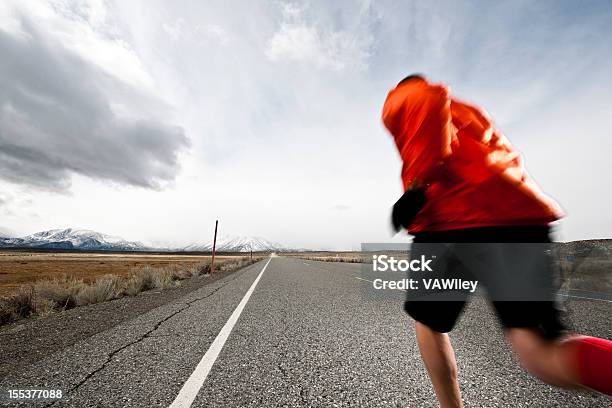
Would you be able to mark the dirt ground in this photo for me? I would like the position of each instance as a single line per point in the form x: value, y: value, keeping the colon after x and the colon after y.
x: 18, y: 268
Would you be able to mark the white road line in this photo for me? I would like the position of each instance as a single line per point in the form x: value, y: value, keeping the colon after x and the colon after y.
x: 192, y: 386
x: 584, y: 297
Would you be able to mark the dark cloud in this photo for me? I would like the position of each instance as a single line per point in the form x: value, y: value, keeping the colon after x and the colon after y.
x: 57, y: 118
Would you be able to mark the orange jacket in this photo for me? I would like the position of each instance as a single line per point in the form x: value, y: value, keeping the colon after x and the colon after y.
x: 474, y: 176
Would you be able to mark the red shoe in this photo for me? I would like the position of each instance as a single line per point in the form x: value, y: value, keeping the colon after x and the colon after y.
x: 594, y: 362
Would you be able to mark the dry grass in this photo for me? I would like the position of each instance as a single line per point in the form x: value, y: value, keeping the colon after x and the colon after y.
x: 334, y: 259
x: 19, y: 305
x: 19, y: 268
x: 61, y: 292
x: 142, y: 279
x: 46, y: 296
x: 348, y: 257
x: 108, y: 287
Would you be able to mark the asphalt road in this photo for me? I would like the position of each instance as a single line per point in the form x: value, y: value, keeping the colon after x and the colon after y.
x: 306, y: 337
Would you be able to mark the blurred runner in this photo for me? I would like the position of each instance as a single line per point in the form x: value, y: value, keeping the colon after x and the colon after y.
x: 465, y: 183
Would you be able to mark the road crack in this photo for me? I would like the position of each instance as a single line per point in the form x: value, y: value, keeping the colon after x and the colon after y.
x: 112, y: 354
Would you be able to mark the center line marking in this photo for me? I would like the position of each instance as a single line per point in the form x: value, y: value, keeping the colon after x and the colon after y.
x: 192, y: 386
x: 584, y: 297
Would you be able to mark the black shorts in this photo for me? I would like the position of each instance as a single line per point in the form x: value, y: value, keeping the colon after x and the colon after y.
x: 515, y: 267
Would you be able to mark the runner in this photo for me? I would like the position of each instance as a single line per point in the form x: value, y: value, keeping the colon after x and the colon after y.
x: 465, y: 183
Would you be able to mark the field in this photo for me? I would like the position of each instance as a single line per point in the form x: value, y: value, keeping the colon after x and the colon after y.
x: 19, y: 268
x: 349, y: 257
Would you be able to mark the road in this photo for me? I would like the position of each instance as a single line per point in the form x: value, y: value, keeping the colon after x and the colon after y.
x: 306, y: 337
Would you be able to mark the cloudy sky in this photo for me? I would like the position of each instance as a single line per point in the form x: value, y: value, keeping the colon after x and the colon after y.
x: 151, y: 119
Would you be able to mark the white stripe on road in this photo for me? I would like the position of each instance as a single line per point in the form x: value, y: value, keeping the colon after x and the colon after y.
x: 584, y: 297
x: 192, y: 386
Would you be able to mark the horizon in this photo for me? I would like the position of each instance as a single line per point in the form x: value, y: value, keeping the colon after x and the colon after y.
x: 150, y: 120
x: 222, y: 242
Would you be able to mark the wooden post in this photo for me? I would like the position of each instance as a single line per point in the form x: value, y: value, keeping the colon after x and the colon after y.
x: 212, y: 261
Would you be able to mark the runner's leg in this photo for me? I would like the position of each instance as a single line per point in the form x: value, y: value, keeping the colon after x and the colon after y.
x: 570, y: 362
x: 542, y: 357
x: 439, y: 358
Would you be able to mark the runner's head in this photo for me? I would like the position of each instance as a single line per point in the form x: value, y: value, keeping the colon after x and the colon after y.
x: 412, y: 77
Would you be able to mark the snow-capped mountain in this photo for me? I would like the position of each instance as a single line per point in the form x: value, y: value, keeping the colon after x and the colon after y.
x: 70, y: 238
x: 238, y: 244
x: 81, y: 239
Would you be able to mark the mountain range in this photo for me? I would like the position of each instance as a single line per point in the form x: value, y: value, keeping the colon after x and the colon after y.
x: 238, y: 244
x: 82, y: 239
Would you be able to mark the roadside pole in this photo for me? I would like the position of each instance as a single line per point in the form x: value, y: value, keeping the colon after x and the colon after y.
x: 212, y: 261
